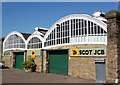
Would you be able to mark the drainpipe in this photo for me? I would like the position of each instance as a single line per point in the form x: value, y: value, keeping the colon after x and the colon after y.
x: 42, y: 62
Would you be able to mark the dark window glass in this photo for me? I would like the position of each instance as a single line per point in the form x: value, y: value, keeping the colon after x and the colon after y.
x: 95, y: 29
x: 48, y: 38
x: 79, y: 24
x: 54, y: 33
x: 57, y: 41
x: 91, y: 30
x: 61, y: 34
x: 57, y: 25
x: 58, y: 29
x: 82, y: 31
x: 101, y: 31
x: 68, y: 40
x: 105, y: 31
x: 41, y: 45
x: 79, y: 31
x: 58, y: 35
x: 65, y: 22
x: 61, y: 41
x: 65, y: 27
x: 82, y: 23
x: 76, y: 28
x: 65, y: 33
x: 76, y: 31
x: 98, y: 29
x: 88, y: 23
x: 54, y: 42
x: 68, y: 32
x: 85, y: 23
x: 92, y: 24
x: 88, y: 30
x: 76, y: 20
x: 73, y: 20
x: 68, y: 26
x: 71, y: 28
x: 65, y: 40
x: 76, y: 25
x: 61, y: 26
x: 85, y: 30
x: 50, y: 42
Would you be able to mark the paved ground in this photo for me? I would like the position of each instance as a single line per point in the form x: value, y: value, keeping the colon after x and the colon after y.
x: 20, y: 76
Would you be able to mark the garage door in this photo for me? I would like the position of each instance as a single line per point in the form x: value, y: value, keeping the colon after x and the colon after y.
x: 58, y: 62
x: 19, y: 59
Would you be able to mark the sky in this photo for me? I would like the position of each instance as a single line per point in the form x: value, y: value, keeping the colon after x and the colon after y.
x: 25, y: 16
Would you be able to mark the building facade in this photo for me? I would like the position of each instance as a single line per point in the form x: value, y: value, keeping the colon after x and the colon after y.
x: 1, y: 47
x: 75, y: 45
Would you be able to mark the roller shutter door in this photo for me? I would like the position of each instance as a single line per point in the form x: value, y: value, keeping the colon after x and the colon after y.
x: 58, y: 62
x: 19, y: 59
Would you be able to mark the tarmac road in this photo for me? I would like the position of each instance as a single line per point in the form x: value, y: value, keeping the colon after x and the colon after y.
x: 20, y: 76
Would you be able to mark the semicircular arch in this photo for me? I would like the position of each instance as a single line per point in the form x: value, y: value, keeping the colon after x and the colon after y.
x: 14, y: 33
x: 77, y: 16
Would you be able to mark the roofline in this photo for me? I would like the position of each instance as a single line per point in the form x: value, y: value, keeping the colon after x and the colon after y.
x: 73, y: 16
x: 43, y: 28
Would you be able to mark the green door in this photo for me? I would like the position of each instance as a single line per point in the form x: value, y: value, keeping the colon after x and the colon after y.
x: 19, y: 60
x: 58, y: 62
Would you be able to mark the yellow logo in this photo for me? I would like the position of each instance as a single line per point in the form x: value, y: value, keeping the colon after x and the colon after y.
x: 33, y: 54
x: 74, y: 52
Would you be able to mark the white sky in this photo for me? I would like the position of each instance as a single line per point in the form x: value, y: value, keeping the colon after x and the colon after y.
x: 60, y: 0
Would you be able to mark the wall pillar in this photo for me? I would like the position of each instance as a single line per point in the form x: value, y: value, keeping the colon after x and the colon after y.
x: 113, y: 45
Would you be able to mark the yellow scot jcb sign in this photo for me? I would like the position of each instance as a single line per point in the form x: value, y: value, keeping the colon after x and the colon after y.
x: 33, y: 54
x: 74, y: 52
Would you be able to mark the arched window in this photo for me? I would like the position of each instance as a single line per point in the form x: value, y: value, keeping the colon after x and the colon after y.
x: 77, y: 31
x: 34, y: 43
x: 14, y: 41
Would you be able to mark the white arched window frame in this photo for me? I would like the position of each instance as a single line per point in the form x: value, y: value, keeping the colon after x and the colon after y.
x: 17, y: 43
x: 37, y: 44
x: 88, y: 38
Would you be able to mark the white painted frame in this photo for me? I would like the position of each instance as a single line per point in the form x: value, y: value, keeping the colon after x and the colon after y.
x: 66, y: 18
x: 32, y: 36
x: 77, y: 16
x: 12, y: 33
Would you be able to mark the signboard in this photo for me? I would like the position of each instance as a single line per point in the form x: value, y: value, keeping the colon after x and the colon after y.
x: 99, y: 60
x: 37, y: 52
x: 101, y: 52
x: 7, y: 54
x: 74, y: 52
x: 33, y: 54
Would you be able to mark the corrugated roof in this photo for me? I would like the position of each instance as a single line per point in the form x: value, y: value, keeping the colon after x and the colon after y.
x: 25, y: 35
x: 42, y: 31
